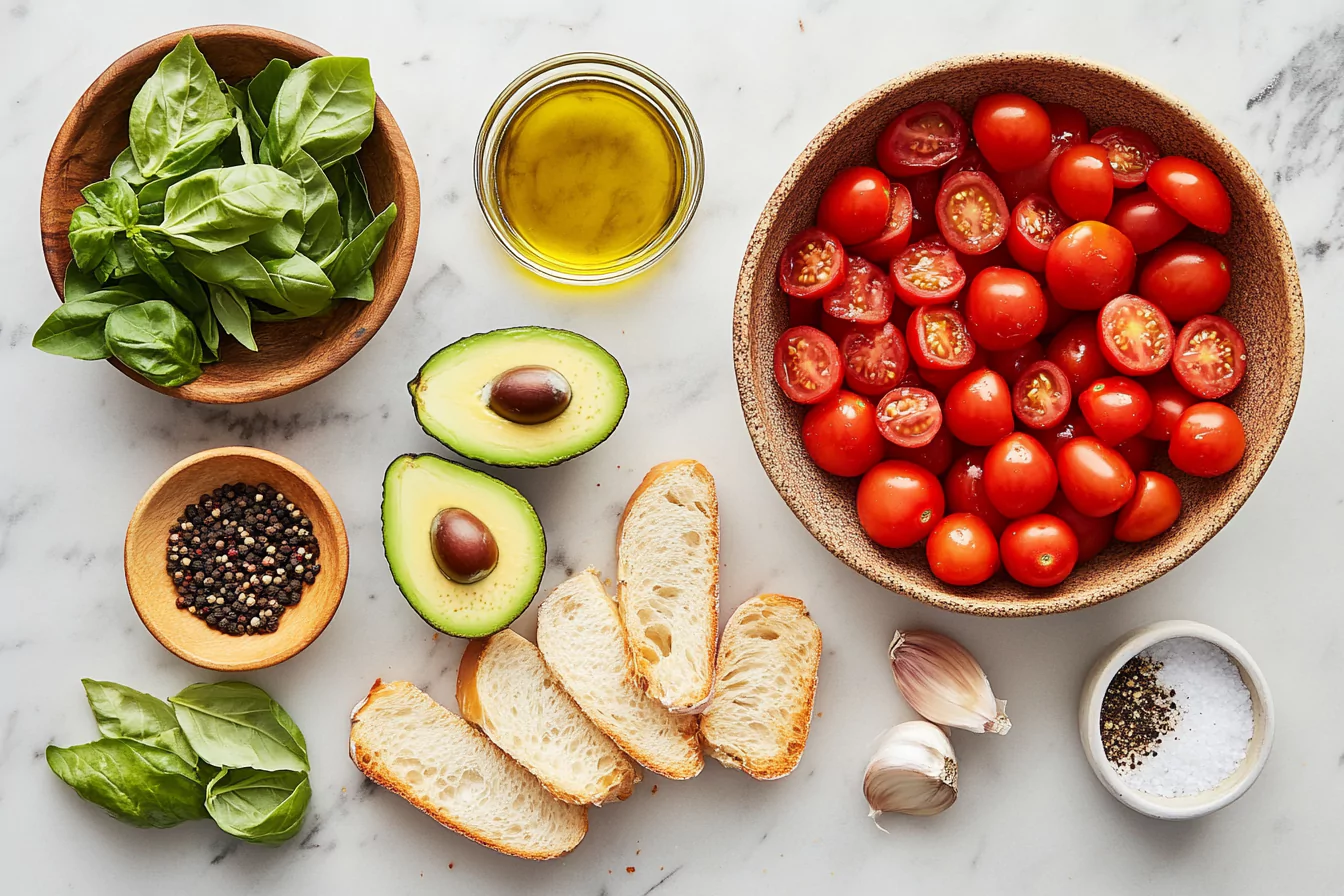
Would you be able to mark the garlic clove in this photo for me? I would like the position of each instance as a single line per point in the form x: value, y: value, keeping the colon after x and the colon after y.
x: 943, y: 683
x: 913, y: 771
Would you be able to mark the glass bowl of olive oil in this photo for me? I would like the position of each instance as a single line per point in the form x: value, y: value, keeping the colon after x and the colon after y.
x: 588, y: 168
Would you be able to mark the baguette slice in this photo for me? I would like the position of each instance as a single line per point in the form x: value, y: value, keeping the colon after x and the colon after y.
x: 767, y: 676
x: 667, y: 552
x: 403, y: 740
x: 580, y: 635
x: 505, y: 689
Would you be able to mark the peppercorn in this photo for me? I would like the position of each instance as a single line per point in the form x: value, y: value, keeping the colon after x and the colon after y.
x: 1136, y: 712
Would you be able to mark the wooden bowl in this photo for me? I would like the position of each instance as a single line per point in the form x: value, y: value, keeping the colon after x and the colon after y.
x: 151, y: 587
x: 292, y: 354
x: 1265, y: 303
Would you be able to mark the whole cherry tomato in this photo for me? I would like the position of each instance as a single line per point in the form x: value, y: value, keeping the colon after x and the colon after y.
x: 1131, y: 153
x: 1210, y: 356
x: 1096, y: 479
x: 841, y: 435
x: 895, y: 235
x: 1093, y: 532
x: 855, y: 205
x: 1068, y: 126
x: 909, y: 417
x: 1081, y: 182
x: 979, y: 408
x: 1089, y: 264
x: 807, y: 365
x: 1020, y: 477
x: 1151, y: 511
x: 1012, y: 131
x: 1146, y: 220
x: 964, y: 486
x: 1135, y: 336
x: 899, y: 503
x: 1012, y: 363
x: 938, y: 338
x: 874, y: 360
x: 1041, y: 395
x: 936, y: 457
x: 1073, y: 426
x: 927, y: 273
x: 1186, y: 279
x: 1116, y: 407
x: 813, y: 264
x: 1193, y: 191
x: 1208, y: 440
x: 962, y: 550
x: 1005, y: 308
x: 1138, y: 452
x: 1077, y: 352
x: 864, y: 297
x: 1039, y: 550
x: 972, y: 215
x: 1036, y: 221
x: 921, y: 139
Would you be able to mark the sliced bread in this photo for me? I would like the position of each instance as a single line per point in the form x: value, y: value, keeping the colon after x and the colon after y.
x: 580, y: 635
x: 505, y: 689
x: 400, y: 738
x: 763, y: 689
x: 667, y: 552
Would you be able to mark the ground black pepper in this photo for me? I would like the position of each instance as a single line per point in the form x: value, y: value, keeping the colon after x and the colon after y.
x: 1136, y: 712
x: 240, y: 556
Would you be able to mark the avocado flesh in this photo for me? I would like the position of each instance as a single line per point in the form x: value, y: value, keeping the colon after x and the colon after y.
x: 451, y: 396
x: 415, y: 489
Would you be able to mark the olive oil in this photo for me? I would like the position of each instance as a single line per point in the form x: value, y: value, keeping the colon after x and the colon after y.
x: 588, y: 173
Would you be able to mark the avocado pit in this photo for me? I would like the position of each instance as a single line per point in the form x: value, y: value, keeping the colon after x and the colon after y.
x: 530, y: 395
x: 464, y: 547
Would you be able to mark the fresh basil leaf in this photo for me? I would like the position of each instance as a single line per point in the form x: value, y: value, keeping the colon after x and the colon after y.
x: 234, y: 724
x: 236, y: 268
x: 152, y: 194
x: 281, y: 239
x: 179, y: 115
x: 90, y: 237
x: 218, y: 209
x: 301, y: 285
x: 347, y: 178
x: 267, y: 314
x: 138, y: 784
x: 258, y: 806
x: 160, y: 343
x: 119, y: 262
x: 237, y: 105
x: 134, y: 715
x: 324, y: 107
x: 156, y: 260
x: 118, y: 295
x: 262, y: 89
x: 322, y: 231
x: 357, y: 256
x: 234, y: 314
x: 123, y: 166
x: 77, y: 283
x: 361, y: 288
x: 114, y: 200
x: 76, y: 330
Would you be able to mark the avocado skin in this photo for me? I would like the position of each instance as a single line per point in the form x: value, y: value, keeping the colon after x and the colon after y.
x: 495, y: 461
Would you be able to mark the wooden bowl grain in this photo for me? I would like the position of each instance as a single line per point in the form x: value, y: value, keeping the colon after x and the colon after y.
x: 1265, y: 303
x: 292, y: 354
x: 151, y: 587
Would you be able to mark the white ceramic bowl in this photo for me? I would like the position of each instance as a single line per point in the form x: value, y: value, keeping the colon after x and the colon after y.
x: 1176, y: 808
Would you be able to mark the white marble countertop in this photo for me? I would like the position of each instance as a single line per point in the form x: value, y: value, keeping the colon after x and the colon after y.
x: 81, y: 443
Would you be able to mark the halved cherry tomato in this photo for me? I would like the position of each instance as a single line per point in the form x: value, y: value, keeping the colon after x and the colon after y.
x: 1138, y: 452
x: 1073, y: 426
x: 1210, y: 357
x: 840, y: 433
x: 1093, y: 532
x: 1193, y: 191
x: 962, y: 550
x: 1116, y: 407
x: 1036, y: 222
x: 813, y: 264
x: 804, y: 312
x: 1081, y: 182
x: 1208, y: 440
x: 935, y: 457
x: 979, y: 408
x: 1186, y: 279
x: 855, y: 205
x: 1077, y: 351
x: 972, y: 215
x: 807, y: 365
x: 1012, y: 363
x: 864, y: 297
x: 909, y: 417
x: 1169, y: 402
x: 1146, y: 220
x: 923, y: 197
x: 1153, y: 509
x: 964, y: 486
x: 1005, y: 308
x: 1020, y: 477
x: 926, y: 273
x: 1131, y: 153
x: 920, y: 139
x: 1012, y: 131
x: 895, y: 234
x: 1039, y: 550
x: 938, y: 338
x: 1089, y: 264
x: 874, y: 361
x: 1096, y: 479
x: 1135, y: 336
x: 1041, y: 395
x: 899, y: 503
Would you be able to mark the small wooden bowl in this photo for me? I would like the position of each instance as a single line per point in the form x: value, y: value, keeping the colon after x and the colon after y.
x: 1265, y: 303
x: 152, y: 589
x: 292, y: 354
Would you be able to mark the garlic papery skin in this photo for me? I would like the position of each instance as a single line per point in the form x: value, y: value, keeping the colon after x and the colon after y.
x: 943, y: 683
x: 913, y: 771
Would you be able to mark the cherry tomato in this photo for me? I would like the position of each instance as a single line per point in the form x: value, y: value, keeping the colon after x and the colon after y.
x: 1081, y: 182
x: 895, y: 235
x: 1057, y: 316
x: 1193, y: 191
x: 938, y: 338
x: 923, y: 197
x: 841, y: 435
x: 1073, y: 426
x: 1138, y: 451
x: 1096, y: 479
x: 804, y: 312
x: 874, y: 361
x: 1005, y: 308
x: 1153, y: 509
x: 1208, y: 440
x: 812, y: 265
x: 1077, y: 352
x: 1039, y: 550
x: 964, y: 486
x: 1012, y: 130
x: 1089, y: 264
x: 1012, y: 363
x: 1093, y: 532
x: 922, y: 138
x: 927, y: 273
x: 1041, y: 395
x: 1116, y: 407
x: 979, y: 408
x: 839, y: 330
x: 899, y: 503
x: 962, y: 550
x: 1135, y: 336
x: 935, y: 457
x: 855, y: 205
x: 1146, y: 220
x: 1036, y: 222
x: 971, y: 159
x: 972, y: 215
x: 1169, y: 403
x: 807, y: 365
x: 865, y: 296
x: 909, y: 417
x: 1068, y: 126
x: 1131, y: 153
x: 1210, y: 357
x: 1186, y: 279
x: 1020, y: 477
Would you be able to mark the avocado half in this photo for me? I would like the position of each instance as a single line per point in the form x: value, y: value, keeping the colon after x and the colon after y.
x: 451, y: 395
x: 415, y: 488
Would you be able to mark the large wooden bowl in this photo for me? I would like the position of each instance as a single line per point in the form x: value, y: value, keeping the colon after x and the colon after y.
x: 293, y: 354
x: 1266, y: 303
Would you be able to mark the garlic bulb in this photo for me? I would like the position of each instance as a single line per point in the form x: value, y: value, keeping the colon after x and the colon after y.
x: 944, y: 683
x: 913, y: 771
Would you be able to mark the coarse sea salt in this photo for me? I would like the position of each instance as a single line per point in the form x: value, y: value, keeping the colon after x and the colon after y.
x: 1215, y: 725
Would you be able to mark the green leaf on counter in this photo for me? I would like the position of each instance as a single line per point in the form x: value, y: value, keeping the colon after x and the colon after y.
x: 134, y: 715
x: 138, y: 784
x: 233, y: 724
x: 258, y: 806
